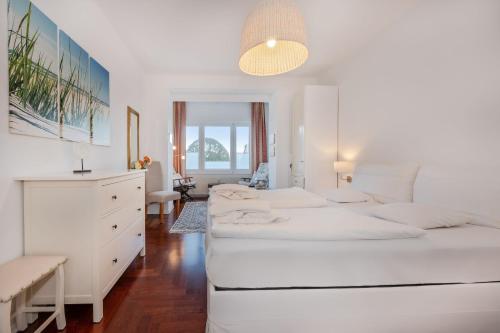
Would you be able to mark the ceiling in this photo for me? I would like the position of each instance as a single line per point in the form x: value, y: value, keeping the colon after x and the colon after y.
x: 203, y: 36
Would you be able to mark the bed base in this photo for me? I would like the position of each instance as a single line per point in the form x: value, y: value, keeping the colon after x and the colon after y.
x: 458, y: 308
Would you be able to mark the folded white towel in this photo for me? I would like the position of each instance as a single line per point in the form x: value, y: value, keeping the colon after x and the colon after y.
x: 237, y: 195
x: 222, y: 208
x: 232, y: 187
x: 249, y: 218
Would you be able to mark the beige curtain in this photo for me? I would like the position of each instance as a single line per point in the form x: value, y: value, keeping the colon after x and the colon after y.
x: 259, y: 135
x: 179, y: 125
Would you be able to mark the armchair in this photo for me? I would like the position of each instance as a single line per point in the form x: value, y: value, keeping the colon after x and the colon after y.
x: 260, y: 178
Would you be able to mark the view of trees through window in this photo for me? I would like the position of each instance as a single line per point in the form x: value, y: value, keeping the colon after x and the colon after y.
x: 216, y: 147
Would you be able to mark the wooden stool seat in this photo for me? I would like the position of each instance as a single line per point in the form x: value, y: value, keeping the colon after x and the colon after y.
x: 16, y: 276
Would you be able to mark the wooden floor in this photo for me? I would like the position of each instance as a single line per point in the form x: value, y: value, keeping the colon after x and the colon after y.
x: 163, y: 292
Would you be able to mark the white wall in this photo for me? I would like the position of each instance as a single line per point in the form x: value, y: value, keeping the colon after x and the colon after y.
x: 23, y: 155
x: 427, y: 90
x: 212, y: 112
x: 280, y: 90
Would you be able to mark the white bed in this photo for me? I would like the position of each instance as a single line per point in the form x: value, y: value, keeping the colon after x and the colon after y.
x: 443, y: 282
x: 456, y: 255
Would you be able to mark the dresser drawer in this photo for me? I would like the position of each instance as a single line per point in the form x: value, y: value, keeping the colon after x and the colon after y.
x: 116, y: 195
x: 118, y: 253
x: 113, y: 258
x: 113, y: 224
x: 138, y: 231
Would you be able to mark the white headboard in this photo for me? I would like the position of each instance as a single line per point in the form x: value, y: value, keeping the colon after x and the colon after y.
x: 473, y: 191
x: 385, y: 182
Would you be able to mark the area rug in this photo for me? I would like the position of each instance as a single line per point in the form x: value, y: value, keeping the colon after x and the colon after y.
x: 193, y: 218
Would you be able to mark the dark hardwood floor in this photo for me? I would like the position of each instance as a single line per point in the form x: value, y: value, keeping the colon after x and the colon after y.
x: 162, y: 292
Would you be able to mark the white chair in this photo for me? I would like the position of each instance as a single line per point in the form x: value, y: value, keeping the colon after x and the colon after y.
x: 155, y: 192
x: 16, y: 276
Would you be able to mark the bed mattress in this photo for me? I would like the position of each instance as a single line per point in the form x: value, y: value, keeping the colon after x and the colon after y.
x: 466, y: 254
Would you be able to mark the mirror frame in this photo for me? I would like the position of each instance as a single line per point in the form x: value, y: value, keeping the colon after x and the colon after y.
x: 131, y: 112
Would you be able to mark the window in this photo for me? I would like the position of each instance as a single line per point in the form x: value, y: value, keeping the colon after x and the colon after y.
x: 218, y: 148
x: 193, y: 147
x: 242, y: 148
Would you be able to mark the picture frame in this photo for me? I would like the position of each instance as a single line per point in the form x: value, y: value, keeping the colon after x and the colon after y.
x: 133, y: 130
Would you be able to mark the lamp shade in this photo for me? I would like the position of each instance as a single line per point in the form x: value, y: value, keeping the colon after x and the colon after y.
x: 343, y: 166
x: 81, y: 149
x: 273, y: 40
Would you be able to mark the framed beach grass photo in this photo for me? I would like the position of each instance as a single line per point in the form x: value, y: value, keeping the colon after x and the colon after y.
x: 33, y: 71
x: 100, y: 112
x: 74, y: 99
x: 56, y: 90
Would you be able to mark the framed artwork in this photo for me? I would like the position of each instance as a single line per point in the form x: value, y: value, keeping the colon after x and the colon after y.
x: 74, y: 99
x: 33, y: 71
x: 56, y: 90
x: 100, y: 113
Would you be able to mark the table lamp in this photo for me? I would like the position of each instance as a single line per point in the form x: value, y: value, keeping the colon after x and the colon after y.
x: 342, y: 167
x: 81, y: 150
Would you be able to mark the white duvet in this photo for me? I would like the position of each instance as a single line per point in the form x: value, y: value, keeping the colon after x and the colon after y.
x: 318, y: 224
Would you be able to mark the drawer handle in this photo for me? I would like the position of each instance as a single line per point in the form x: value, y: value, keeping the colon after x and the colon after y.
x: 114, y: 197
x: 114, y: 226
x: 115, y: 260
x: 139, y: 187
x: 139, y: 234
x: 139, y: 209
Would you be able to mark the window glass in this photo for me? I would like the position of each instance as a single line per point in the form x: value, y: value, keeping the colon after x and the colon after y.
x: 242, y: 147
x: 217, y: 147
x: 192, y: 147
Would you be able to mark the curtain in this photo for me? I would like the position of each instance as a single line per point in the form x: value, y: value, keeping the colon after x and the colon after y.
x: 259, y: 135
x: 179, y: 125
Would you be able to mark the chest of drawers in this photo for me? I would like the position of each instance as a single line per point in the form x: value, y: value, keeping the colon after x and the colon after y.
x: 95, y: 220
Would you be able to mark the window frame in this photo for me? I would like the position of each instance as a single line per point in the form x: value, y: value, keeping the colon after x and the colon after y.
x: 185, y: 145
x: 233, y: 164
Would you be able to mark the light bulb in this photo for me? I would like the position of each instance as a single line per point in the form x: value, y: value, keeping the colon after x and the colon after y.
x: 183, y: 157
x: 271, y: 43
x: 174, y: 147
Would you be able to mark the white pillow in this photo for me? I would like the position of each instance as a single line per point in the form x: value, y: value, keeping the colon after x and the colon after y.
x: 386, y: 183
x: 346, y: 195
x: 420, y: 216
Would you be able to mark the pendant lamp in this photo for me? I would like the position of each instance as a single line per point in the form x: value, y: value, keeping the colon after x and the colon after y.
x: 273, y: 40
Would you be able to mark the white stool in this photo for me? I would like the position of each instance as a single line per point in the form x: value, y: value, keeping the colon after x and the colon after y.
x: 16, y: 277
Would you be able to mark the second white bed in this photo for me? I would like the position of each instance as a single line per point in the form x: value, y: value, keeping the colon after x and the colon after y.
x: 454, y: 255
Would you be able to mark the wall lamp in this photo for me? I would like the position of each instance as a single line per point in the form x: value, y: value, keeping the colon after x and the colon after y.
x: 342, y: 167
